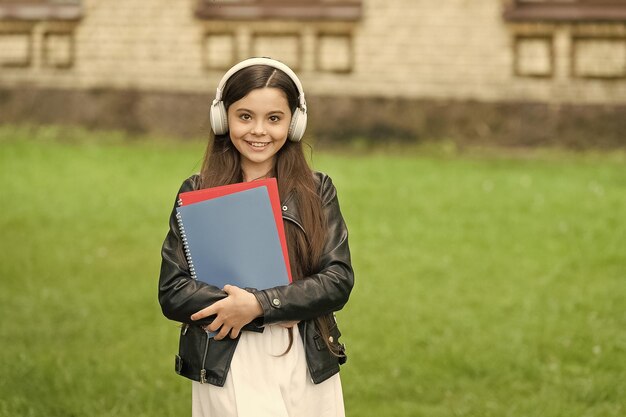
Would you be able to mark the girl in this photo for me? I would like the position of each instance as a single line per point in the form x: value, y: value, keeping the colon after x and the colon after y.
x: 271, y: 352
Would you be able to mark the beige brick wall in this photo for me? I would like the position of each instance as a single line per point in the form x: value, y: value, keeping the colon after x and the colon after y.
x: 451, y: 49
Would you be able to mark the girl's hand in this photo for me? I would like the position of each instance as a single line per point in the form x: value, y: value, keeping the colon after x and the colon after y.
x: 288, y: 324
x: 233, y: 312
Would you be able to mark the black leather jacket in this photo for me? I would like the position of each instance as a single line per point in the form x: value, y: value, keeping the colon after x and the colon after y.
x: 205, y: 359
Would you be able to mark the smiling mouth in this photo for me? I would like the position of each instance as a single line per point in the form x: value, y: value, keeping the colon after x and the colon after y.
x: 258, y: 144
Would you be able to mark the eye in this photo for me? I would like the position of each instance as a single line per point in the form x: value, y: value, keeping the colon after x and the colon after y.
x: 245, y: 116
x: 274, y: 118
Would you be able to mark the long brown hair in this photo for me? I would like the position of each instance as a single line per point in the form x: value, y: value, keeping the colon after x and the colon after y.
x: 222, y: 166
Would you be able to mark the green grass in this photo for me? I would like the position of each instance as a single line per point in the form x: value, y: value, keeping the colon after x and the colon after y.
x: 486, y: 285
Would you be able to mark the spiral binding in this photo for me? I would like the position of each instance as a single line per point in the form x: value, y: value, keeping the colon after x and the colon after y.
x: 183, y: 236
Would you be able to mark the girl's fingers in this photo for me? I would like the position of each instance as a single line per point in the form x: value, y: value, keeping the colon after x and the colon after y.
x: 216, y: 324
x: 205, y: 312
x: 235, y: 332
x: 222, y: 333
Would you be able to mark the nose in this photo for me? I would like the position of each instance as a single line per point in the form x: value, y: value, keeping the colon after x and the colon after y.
x: 259, y: 129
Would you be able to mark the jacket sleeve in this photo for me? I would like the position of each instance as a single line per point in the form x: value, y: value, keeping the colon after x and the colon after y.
x: 179, y: 294
x: 324, y: 292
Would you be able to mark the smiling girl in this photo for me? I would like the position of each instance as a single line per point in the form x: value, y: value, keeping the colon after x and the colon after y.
x: 276, y: 351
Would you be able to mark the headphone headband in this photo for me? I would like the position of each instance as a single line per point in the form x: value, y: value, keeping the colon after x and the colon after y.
x: 262, y: 61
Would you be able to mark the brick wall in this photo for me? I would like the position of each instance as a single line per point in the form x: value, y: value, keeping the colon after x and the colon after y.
x: 452, y: 50
x: 457, y: 49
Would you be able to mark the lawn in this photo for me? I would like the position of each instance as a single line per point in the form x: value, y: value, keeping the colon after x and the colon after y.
x: 487, y: 284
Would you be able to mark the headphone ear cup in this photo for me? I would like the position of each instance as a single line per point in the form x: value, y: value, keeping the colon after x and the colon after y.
x: 298, y: 125
x: 219, y: 118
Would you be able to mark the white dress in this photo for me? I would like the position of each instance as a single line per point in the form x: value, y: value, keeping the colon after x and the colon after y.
x: 261, y: 383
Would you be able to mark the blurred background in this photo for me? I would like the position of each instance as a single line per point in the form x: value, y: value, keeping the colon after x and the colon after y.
x: 479, y: 152
x: 492, y: 71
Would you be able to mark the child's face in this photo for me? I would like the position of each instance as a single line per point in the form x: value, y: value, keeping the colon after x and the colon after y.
x: 259, y: 124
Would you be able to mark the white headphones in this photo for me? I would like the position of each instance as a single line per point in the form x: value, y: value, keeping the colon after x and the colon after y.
x: 219, y: 117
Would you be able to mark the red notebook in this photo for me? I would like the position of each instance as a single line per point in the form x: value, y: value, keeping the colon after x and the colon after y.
x: 196, y: 196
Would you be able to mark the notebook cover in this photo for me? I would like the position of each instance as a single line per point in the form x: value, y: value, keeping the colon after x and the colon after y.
x: 192, y: 197
x: 233, y: 239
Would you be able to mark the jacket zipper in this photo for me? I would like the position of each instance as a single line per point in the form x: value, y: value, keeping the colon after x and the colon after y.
x: 203, y: 379
x: 294, y: 221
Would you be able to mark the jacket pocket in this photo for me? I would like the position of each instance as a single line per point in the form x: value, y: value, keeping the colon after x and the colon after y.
x: 322, y: 363
x: 333, y: 339
x: 190, y: 350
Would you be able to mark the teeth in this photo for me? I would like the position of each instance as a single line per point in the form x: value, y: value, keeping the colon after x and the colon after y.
x: 258, y: 144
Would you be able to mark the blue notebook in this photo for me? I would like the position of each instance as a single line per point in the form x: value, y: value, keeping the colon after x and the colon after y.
x: 233, y: 239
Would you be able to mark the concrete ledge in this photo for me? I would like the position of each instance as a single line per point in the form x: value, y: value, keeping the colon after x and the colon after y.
x: 333, y: 118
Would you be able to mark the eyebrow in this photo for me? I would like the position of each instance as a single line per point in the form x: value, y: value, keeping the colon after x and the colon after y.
x: 250, y: 111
